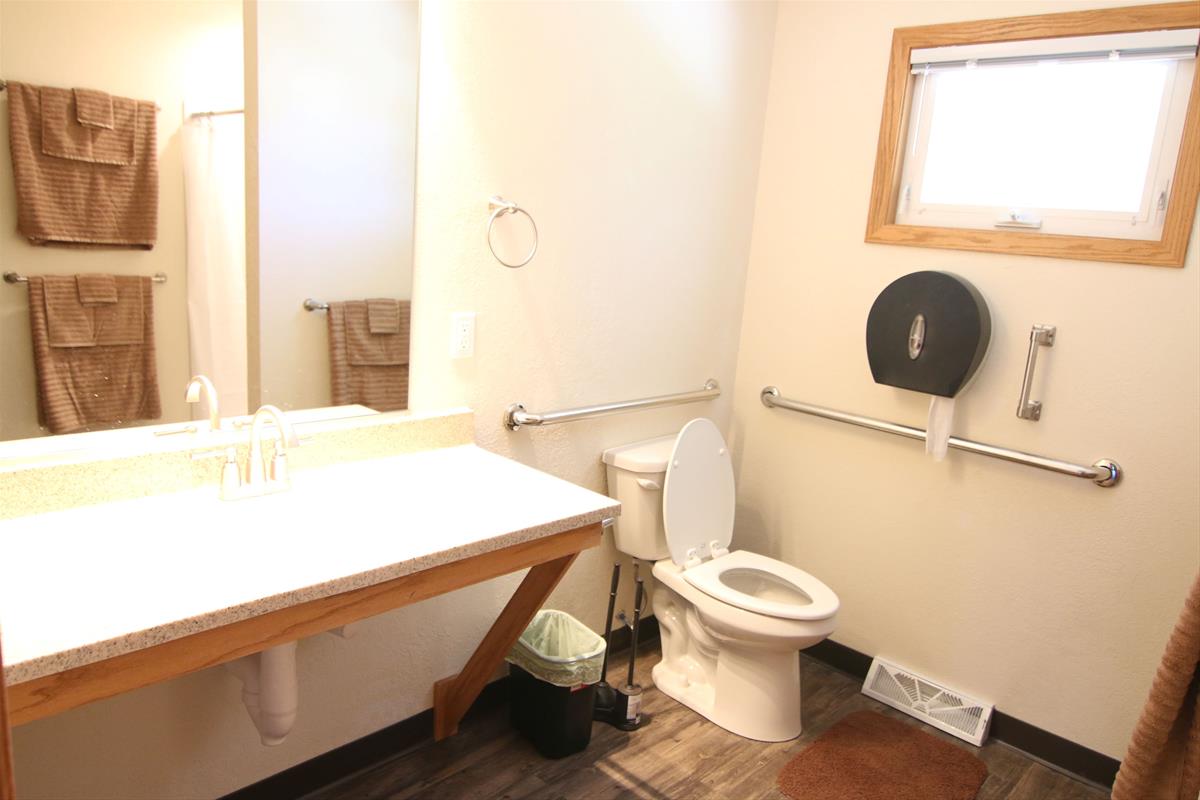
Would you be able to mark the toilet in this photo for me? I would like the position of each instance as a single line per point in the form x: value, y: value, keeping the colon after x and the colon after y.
x: 731, y: 623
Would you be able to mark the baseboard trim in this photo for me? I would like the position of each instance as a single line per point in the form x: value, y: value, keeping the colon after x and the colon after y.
x: 352, y: 757
x: 1044, y: 746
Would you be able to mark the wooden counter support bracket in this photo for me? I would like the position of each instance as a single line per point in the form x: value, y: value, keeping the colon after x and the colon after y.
x: 7, y: 790
x: 453, y: 696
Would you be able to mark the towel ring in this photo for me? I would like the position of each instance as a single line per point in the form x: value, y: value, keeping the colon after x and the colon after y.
x: 500, y: 207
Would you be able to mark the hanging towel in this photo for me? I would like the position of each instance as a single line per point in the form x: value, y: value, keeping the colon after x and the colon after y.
x: 97, y: 289
x: 1163, y: 758
x: 365, y: 345
x: 94, y: 109
x: 73, y: 321
x: 383, y: 316
x: 81, y: 183
x: 104, y: 372
x: 367, y: 368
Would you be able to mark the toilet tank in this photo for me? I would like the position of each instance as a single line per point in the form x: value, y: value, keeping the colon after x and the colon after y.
x: 636, y: 473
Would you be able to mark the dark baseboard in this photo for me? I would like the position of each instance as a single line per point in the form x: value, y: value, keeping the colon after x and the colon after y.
x: 1042, y: 745
x: 341, y: 762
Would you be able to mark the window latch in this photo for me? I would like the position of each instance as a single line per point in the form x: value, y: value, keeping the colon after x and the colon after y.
x: 1019, y: 220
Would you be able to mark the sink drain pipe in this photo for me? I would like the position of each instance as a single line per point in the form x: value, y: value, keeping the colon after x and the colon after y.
x: 269, y: 690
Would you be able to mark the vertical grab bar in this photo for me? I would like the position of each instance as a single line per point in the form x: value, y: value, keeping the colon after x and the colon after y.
x: 1039, y: 336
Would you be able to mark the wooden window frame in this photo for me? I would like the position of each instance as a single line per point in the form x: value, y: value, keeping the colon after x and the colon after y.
x: 1169, y: 251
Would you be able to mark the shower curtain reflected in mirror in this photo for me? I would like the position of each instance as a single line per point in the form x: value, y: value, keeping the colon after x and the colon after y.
x: 214, y: 167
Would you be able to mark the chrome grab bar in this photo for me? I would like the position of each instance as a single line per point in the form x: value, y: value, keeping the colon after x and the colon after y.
x: 1039, y: 336
x: 516, y: 416
x: 1104, y: 472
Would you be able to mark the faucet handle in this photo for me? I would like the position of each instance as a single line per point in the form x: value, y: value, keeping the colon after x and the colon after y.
x: 231, y: 474
x: 279, y: 468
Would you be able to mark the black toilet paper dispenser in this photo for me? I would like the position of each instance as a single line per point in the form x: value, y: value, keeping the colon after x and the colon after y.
x: 928, y: 332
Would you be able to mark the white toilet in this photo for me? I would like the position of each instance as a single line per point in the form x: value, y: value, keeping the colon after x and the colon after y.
x: 731, y: 623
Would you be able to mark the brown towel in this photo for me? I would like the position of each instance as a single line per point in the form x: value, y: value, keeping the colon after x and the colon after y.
x: 71, y: 322
x: 365, y: 368
x: 93, y: 384
x: 383, y: 316
x: 365, y: 347
x: 1163, y: 758
x: 94, y: 109
x: 81, y: 184
x: 94, y: 289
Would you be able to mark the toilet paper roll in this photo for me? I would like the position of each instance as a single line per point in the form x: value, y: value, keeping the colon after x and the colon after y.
x: 937, y: 432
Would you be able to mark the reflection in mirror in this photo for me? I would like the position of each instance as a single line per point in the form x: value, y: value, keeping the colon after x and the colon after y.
x: 130, y: 160
x: 337, y: 89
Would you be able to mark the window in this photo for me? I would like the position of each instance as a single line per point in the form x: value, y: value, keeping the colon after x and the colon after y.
x: 1078, y: 146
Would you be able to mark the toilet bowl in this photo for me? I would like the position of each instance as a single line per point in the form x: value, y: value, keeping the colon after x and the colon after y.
x: 731, y: 622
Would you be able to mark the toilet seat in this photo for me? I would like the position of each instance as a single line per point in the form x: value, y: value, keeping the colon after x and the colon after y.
x: 698, y: 507
x: 698, y: 494
x: 763, y: 585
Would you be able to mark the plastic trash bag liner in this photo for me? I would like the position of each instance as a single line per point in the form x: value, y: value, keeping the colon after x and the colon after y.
x: 559, y: 649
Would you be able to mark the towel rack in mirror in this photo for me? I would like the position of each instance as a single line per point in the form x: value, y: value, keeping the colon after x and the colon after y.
x: 4, y: 87
x: 16, y: 277
x: 515, y: 415
x: 1104, y: 472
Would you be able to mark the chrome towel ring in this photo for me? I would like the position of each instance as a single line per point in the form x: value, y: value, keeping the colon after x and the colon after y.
x: 499, y: 207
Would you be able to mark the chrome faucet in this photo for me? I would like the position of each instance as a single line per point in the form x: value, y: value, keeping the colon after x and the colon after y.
x: 258, y: 477
x: 201, y: 383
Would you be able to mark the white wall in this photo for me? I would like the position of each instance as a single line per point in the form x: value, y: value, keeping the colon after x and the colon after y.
x: 166, y: 51
x: 1045, y: 594
x: 337, y: 94
x: 631, y: 132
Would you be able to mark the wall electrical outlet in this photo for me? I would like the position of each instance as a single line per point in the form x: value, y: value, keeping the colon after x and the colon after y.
x: 462, y: 334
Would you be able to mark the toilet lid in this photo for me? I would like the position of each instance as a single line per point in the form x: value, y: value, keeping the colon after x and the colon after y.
x: 698, y: 495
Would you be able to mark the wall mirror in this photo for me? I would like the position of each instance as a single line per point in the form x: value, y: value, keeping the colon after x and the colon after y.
x: 284, y: 145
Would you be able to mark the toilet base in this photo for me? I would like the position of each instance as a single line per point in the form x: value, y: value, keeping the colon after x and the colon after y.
x: 752, y: 692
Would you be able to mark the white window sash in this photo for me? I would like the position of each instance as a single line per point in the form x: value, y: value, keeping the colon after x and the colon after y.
x: 1148, y: 44
x: 1145, y: 223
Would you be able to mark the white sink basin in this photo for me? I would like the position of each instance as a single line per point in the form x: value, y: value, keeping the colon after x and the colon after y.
x: 93, y: 582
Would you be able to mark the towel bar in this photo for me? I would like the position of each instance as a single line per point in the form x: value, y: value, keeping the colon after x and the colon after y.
x: 15, y: 277
x: 1104, y: 472
x: 515, y: 415
x: 4, y: 86
x: 315, y: 305
x: 499, y: 207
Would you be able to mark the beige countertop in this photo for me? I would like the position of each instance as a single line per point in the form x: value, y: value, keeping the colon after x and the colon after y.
x: 90, y: 583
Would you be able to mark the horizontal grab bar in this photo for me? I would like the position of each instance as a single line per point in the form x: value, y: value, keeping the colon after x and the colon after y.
x: 1104, y: 472
x: 516, y: 416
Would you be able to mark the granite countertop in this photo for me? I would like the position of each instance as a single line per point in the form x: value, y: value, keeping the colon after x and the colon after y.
x: 91, y: 583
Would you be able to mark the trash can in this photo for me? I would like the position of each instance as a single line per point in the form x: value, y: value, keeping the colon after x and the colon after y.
x: 555, y: 667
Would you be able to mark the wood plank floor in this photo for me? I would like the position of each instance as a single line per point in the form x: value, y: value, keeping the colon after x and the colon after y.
x: 678, y: 755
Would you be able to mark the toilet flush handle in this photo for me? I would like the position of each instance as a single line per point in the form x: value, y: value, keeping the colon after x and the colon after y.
x: 649, y: 485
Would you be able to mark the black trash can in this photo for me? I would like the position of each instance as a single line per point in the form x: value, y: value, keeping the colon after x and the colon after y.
x: 554, y: 669
x: 557, y: 720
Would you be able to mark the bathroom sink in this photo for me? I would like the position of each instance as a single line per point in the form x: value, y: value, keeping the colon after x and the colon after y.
x: 169, y: 565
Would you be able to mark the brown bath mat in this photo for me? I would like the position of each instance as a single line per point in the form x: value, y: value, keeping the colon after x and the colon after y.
x: 867, y: 756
